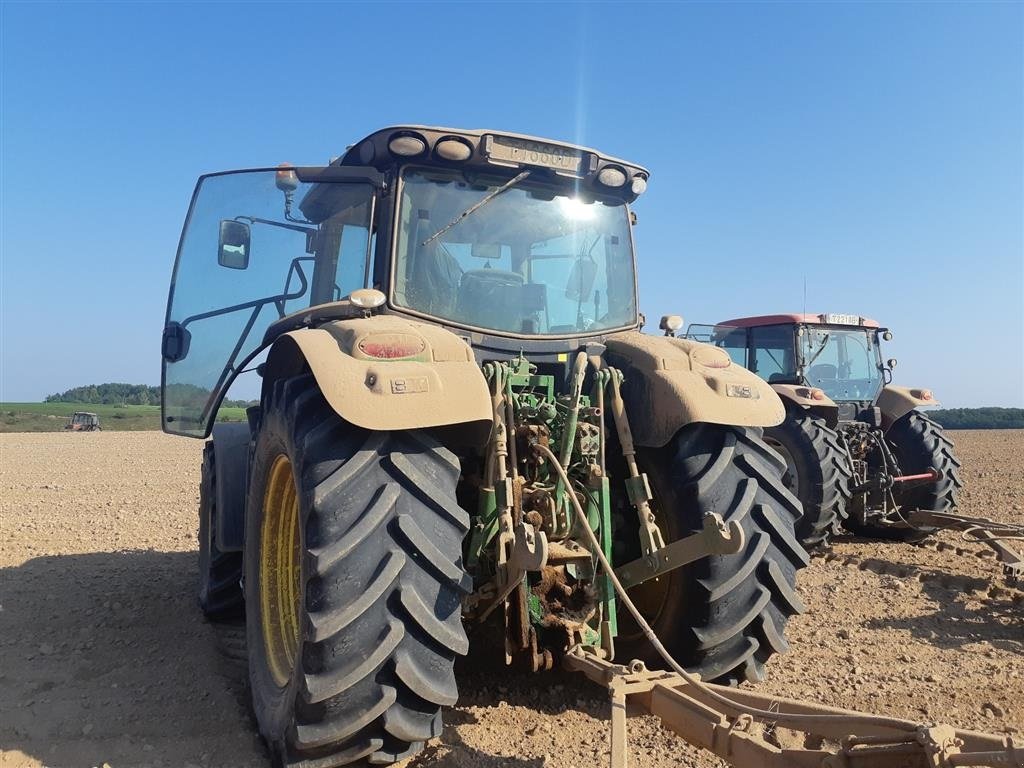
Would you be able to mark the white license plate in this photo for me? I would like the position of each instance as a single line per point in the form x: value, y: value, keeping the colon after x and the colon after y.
x: 836, y: 318
x: 523, y: 152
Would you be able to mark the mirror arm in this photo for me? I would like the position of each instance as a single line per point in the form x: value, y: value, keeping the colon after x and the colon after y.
x: 281, y: 224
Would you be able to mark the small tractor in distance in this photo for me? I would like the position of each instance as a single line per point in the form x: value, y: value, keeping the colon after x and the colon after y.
x: 83, y: 421
x: 460, y: 426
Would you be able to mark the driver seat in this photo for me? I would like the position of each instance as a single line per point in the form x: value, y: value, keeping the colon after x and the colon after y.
x: 823, y: 371
x: 490, y: 298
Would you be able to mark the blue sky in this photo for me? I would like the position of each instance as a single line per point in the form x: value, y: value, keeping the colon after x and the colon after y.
x: 873, y: 150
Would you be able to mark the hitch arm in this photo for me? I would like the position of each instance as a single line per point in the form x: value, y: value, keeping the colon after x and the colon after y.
x: 637, y: 487
x: 716, y: 538
x: 846, y: 739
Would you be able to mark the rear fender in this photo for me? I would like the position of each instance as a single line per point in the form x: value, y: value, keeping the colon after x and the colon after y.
x: 672, y: 382
x: 896, y: 402
x: 384, y: 373
x: 799, y: 396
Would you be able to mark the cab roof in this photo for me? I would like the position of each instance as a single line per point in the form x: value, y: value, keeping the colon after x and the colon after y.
x: 470, y: 133
x: 483, y: 149
x: 796, y: 317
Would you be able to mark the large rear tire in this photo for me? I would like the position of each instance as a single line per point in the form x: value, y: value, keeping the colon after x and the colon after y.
x: 918, y: 444
x: 818, y: 472
x: 723, y: 616
x: 921, y: 444
x: 220, y: 573
x: 353, y: 566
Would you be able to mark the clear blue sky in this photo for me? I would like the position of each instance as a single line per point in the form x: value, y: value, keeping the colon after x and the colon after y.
x: 874, y: 149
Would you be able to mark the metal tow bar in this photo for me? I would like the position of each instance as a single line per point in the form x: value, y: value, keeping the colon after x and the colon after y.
x: 982, y: 530
x: 844, y: 738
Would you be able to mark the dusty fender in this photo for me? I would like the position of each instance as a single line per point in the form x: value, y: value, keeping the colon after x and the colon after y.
x: 385, y: 373
x: 804, y: 397
x: 897, y: 402
x: 674, y: 382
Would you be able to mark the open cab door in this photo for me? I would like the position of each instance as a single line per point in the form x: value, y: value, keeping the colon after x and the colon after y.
x: 247, y: 258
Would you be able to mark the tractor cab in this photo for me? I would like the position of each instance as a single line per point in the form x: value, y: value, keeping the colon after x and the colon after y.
x: 495, y: 236
x: 837, y: 355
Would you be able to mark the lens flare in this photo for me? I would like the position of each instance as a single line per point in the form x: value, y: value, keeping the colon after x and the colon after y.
x: 575, y: 209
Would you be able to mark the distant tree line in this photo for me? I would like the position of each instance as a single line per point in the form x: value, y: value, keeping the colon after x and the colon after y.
x: 979, y: 418
x: 123, y: 394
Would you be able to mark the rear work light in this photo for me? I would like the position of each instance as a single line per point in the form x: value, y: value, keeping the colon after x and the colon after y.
x: 407, y: 145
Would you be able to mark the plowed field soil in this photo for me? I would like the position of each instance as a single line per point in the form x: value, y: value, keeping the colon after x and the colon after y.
x: 105, y: 659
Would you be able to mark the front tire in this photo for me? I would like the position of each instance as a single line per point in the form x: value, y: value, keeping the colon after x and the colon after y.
x: 818, y: 472
x: 354, y: 616
x: 723, y: 616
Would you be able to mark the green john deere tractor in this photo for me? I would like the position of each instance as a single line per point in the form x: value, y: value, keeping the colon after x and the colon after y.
x: 459, y: 421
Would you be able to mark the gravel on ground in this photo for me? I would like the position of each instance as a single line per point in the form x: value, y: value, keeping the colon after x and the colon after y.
x: 105, y: 659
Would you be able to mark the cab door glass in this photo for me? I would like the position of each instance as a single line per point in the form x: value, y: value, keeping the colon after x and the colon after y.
x: 301, y: 250
x: 772, y: 354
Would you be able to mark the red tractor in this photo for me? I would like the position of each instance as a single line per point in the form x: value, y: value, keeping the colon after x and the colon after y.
x: 82, y: 421
x: 860, y: 454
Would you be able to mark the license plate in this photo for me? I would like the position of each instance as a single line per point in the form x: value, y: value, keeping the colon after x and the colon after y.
x: 836, y: 318
x: 523, y: 152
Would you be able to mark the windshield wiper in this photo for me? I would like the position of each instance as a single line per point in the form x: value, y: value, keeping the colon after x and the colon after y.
x: 476, y: 207
x: 821, y: 349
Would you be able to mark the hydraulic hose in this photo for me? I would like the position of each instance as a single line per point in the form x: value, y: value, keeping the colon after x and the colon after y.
x: 761, y: 714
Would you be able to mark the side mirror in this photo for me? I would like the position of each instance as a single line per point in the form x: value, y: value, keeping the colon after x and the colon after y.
x: 891, y: 362
x: 580, y: 284
x: 887, y: 335
x: 233, y: 244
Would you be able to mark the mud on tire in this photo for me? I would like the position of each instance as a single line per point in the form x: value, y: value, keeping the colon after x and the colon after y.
x: 220, y: 573
x: 818, y: 472
x: 725, y: 615
x: 381, y: 583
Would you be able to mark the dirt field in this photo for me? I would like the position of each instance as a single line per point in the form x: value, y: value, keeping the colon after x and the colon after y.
x: 105, y: 659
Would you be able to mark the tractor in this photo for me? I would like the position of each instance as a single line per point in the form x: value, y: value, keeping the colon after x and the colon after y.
x: 461, y: 431
x: 83, y: 421
x: 859, y: 453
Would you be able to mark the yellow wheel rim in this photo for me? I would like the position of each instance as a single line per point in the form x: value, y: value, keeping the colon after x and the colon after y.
x: 280, y: 571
